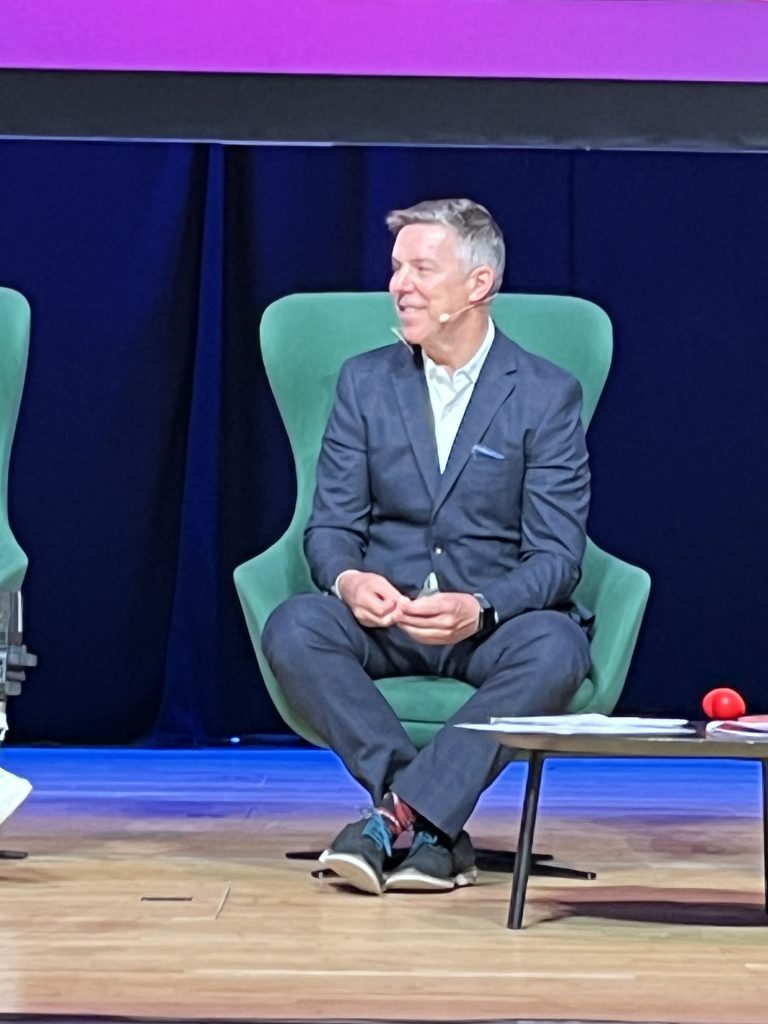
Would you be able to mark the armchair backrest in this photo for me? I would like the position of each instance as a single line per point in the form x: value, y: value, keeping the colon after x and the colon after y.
x: 306, y: 338
x: 14, y: 345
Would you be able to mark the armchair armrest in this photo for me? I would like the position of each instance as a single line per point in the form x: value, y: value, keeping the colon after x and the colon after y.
x: 617, y: 592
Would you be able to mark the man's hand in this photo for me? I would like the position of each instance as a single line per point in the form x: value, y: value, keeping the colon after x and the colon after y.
x: 440, y: 618
x: 372, y: 599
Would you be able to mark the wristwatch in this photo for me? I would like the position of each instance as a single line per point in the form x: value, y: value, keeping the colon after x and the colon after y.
x: 489, y: 617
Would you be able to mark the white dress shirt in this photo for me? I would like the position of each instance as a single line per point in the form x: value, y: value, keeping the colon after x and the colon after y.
x: 449, y: 396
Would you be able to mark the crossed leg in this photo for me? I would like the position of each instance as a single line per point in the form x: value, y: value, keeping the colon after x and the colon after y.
x: 327, y: 663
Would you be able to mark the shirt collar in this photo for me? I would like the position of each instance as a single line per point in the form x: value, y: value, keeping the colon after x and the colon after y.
x: 472, y: 369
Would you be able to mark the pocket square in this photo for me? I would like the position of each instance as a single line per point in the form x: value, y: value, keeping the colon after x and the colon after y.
x: 480, y: 449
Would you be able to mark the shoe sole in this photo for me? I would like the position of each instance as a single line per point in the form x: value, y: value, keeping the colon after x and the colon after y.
x: 354, y: 870
x: 413, y: 880
x: 19, y: 791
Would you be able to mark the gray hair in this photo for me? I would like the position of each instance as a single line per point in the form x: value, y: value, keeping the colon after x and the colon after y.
x: 480, y: 239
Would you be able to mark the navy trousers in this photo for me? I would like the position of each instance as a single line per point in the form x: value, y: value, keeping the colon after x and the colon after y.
x: 326, y: 663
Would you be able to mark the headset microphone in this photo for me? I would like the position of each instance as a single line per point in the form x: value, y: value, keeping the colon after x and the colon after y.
x: 445, y: 318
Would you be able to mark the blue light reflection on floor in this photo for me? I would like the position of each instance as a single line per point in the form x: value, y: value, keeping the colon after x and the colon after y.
x: 613, y: 787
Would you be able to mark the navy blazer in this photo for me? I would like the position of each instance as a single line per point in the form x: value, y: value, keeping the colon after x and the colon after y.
x: 506, y: 518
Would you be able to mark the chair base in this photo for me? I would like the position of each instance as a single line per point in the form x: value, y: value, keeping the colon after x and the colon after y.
x: 504, y: 861
x: 486, y: 860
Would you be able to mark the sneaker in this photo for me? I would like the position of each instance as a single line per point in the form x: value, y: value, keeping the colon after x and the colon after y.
x: 358, y: 852
x: 434, y: 864
x: 13, y: 792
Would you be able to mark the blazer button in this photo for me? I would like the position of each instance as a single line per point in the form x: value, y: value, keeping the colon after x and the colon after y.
x: 438, y: 550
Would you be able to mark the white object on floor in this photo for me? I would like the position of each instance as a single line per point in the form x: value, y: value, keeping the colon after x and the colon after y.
x: 13, y: 792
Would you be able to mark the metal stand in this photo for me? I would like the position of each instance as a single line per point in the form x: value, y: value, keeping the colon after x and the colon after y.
x: 520, y: 864
x: 506, y: 861
x: 14, y: 659
x: 764, y: 776
x: 525, y: 842
x: 502, y: 861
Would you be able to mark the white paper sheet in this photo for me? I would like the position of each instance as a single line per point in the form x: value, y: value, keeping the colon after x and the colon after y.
x: 754, y: 728
x: 591, y: 724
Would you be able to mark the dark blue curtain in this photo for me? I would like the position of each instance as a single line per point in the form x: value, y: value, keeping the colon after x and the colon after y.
x: 150, y: 461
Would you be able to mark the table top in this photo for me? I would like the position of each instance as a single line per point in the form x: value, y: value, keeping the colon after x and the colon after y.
x: 617, y: 745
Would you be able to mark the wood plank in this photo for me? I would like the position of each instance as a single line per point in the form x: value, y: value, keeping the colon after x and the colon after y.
x: 673, y: 928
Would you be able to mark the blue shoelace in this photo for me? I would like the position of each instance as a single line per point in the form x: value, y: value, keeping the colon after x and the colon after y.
x: 423, y: 839
x: 378, y: 832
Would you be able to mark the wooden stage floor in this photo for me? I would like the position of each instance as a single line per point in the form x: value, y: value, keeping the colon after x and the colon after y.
x: 157, y: 886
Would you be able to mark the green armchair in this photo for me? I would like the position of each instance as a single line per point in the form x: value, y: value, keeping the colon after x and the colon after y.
x: 305, y: 339
x: 14, y: 344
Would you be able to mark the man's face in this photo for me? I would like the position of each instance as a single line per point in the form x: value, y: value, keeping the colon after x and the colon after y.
x: 427, y: 279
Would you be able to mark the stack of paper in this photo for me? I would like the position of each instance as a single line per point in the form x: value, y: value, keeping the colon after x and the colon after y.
x: 754, y: 727
x: 586, y: 725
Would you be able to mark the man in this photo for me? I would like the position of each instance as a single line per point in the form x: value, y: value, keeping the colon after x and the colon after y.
x: 447, y: 533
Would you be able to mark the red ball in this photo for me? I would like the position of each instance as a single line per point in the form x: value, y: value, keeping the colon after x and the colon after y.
x: 723, y: 703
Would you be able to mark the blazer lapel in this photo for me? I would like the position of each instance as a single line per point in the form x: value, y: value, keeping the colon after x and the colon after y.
x: 413, y: 400
x: 495, y: 383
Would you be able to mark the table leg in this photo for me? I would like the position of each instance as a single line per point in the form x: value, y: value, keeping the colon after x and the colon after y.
x: 764, y: 772
x: 525, y: 839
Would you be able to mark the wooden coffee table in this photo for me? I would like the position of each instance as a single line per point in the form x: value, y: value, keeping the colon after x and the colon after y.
x: 541, y: 744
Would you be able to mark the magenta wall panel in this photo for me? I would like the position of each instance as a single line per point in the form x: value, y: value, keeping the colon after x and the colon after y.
x: 695, y: 40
